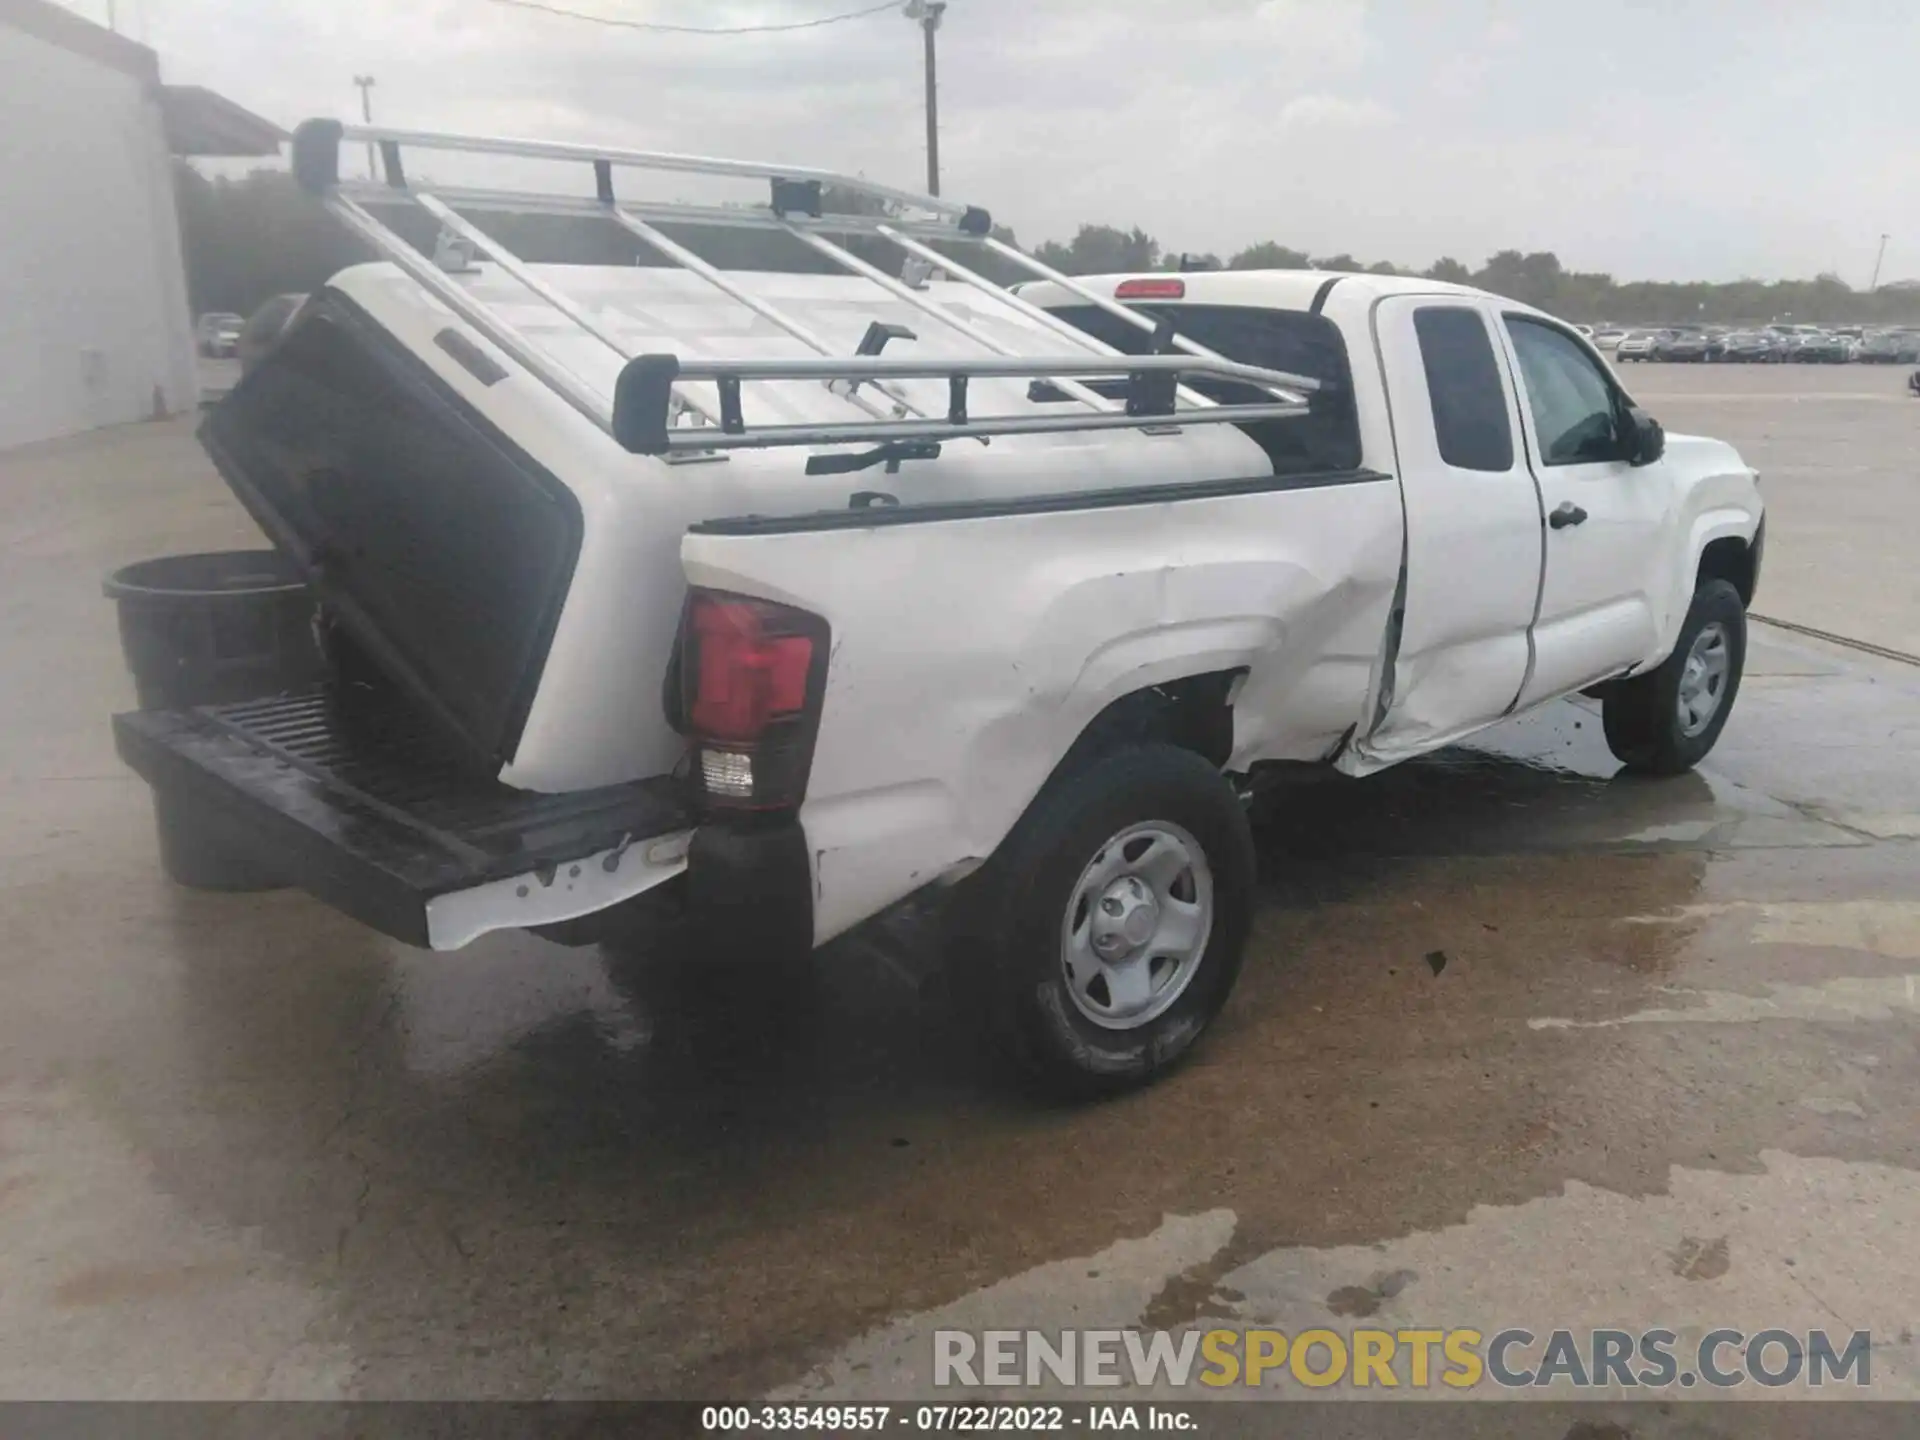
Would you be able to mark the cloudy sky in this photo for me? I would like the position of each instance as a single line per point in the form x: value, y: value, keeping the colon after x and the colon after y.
x: 1652, y: 138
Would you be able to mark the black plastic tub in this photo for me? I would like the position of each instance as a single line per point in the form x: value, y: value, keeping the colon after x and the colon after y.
x: 212, y: 630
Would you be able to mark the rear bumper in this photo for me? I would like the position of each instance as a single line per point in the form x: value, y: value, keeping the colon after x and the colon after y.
x: 371, y: 818
x: 750, y: 888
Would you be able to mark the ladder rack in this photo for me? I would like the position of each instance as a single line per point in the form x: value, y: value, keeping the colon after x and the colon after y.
x: 651, y: 411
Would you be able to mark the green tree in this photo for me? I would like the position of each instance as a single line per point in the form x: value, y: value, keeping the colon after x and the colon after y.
x: 1530, y: 279
x: 1269, y: 255
x: 1103, y: 250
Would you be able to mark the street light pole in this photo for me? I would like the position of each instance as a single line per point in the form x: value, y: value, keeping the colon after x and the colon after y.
x: 928, y: 13
x: 365, y: 82
x: 1874, y: 284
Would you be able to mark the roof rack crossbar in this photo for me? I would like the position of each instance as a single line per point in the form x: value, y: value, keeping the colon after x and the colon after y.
x: 511, y: 265
x: 921, y: 303
x: 1113, y: 307
x: 562, y: 381
x: 1005, y: 296
x: 717, y: 278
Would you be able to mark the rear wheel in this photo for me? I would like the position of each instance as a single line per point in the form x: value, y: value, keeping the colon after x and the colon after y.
x: 1112, y: 921
x: 1665, y: 722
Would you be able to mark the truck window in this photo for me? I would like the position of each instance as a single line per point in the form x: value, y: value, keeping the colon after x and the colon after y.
x: 1463, y: 383
x: 1292, y: 340
x: 1576, y: 413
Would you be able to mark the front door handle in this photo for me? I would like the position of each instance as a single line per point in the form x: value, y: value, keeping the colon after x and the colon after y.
x: 1564, y: 514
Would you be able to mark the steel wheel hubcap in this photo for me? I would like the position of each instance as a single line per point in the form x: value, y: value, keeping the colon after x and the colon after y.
x: 1703, y: 679
x: 1136, y: 925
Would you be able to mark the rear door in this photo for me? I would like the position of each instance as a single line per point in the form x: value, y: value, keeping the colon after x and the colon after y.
x: 1473, y: 539
x: 1606, y: 519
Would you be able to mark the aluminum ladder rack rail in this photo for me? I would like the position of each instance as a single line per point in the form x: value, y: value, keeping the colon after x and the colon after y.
x: 912, y: 222
x: 643, y: 406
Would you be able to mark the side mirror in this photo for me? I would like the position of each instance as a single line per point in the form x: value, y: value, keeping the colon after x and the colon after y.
x: 1647, y: 442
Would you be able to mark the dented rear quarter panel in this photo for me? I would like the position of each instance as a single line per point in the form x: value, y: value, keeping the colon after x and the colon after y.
x: 967, y: 655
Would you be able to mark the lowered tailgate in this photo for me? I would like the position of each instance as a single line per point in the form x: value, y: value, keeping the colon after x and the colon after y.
x: 375, y: 819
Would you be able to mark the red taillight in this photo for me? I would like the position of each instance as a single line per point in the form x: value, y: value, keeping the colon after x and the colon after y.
x: 746, y: 671
x: 751, y: 678
x: 1169, y: 289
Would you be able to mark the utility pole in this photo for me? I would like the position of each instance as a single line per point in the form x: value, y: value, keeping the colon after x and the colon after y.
x: 113, y: 17
x: 928, y: 13
x: 365, y: 82
x: 1874, y: 284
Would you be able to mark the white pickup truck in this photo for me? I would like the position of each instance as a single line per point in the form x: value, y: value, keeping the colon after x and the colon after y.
x: 669, y: 581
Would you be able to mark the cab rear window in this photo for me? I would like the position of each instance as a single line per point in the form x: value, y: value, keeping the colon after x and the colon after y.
x: 1326, y: 439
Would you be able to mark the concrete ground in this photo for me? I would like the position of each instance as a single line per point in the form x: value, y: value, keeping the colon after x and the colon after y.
x: 1518, y: 1043
x: 1838, y: 451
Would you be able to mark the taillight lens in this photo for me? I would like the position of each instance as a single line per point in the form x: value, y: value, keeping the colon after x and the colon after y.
x: 751, y: 679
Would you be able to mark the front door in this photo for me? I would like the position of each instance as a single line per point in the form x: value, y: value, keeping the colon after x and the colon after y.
x: 1605, y: 518
x: 1473, y: 544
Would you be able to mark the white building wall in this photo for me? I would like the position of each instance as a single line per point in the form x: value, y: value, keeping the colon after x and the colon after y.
x: 94, y: 328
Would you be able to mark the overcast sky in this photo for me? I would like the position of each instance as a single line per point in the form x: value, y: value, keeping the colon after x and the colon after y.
x: 1669, y: 139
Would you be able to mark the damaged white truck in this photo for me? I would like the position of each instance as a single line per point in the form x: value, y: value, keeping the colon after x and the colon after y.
x: 793, y: 595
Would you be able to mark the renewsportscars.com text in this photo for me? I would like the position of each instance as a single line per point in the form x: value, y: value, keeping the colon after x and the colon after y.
x: 1407, y: 1359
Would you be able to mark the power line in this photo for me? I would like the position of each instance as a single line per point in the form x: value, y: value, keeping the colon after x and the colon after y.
x: 622, y: 24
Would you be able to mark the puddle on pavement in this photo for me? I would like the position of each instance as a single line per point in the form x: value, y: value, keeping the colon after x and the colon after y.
x: 689, y: 1179
x: 670, y: 1173
x: 1708, y: 1249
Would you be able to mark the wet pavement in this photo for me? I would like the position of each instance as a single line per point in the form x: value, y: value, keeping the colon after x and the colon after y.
x: 1518, y: 1043
x: 1838, y: 451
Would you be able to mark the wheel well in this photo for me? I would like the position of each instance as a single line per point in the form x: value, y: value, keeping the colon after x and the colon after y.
x: 1729, y: 559
x: 1193, y: 712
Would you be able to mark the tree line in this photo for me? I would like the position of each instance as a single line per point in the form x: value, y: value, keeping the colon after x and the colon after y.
x: 250, y: 238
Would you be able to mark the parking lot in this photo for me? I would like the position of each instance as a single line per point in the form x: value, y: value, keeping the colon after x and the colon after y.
x: 1835, y: 450
x: 1517, y: 1044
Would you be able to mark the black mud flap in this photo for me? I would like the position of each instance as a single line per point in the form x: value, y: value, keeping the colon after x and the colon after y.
x: 373, y: 816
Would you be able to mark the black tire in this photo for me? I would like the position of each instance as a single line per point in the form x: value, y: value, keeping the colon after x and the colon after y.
x: 1009, y: 942
x: 1641, y: 716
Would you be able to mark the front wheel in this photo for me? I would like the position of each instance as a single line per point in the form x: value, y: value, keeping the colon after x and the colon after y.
x: 1108, y: 928
x: 1665, y: 721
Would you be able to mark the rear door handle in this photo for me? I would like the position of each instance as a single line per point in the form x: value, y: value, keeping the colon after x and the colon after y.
x: 1564, y: 514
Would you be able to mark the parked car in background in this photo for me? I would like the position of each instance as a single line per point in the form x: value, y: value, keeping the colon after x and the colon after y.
x: 1681, y: 347
x: 1751, y: 347
x: 1823, y: 349
x: 216, y: 334
x: 1637, y: 345
x: 264, y: 327
x: 1609, y: 337
x: 1890, y: 347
